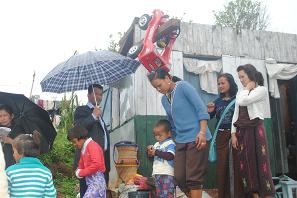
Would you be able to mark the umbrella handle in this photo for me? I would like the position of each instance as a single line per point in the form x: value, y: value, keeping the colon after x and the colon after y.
x: 94, y: 96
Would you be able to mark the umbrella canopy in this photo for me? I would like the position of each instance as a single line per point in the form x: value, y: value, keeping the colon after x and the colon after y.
x: 79, y: 71
x: 30, y: 117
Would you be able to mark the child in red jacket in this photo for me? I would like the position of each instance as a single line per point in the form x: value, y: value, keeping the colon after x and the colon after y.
x: 91, y: 163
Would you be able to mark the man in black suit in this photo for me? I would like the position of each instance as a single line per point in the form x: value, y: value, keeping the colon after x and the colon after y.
x: 89, y: 116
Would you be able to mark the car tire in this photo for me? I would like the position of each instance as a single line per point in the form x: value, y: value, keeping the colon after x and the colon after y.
x: 134, y: 51
x: 175, y: 33
x: 144, y: 21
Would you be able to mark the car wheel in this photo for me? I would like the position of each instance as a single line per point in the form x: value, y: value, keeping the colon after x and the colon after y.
x: 134, y: 51
x: 144, y: 21
x: 175, y: 33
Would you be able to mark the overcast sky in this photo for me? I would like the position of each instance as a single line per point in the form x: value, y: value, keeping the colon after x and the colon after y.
x: 36, y: 35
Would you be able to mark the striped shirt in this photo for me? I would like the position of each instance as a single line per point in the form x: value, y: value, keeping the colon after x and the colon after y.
x: 30, y: 178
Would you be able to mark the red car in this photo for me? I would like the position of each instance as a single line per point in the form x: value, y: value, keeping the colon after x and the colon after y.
x: 147, y: 52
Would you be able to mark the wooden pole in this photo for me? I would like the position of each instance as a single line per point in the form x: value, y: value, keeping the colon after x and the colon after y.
x: 32, y: 85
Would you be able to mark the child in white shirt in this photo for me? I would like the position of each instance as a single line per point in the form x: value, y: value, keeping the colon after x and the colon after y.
x: 163, y: 152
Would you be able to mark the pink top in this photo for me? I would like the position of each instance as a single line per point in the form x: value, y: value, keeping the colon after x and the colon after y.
x: 91, y: 159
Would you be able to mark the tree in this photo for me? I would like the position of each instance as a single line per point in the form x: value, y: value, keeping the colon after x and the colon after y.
x: 114, y: 42
x: 243, y: 14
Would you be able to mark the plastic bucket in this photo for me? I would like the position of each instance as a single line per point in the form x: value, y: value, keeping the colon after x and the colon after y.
x: 139, y: 194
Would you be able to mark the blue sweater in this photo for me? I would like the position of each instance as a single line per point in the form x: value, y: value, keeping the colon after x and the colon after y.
x: 185, y: 112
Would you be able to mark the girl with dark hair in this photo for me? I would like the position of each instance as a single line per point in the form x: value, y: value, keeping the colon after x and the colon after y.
x: 248, y: 133
x: 91, y: 163
x: 188, y: 117
x: 228, y: 90
x: 6, y: 120
x: 29, y: 177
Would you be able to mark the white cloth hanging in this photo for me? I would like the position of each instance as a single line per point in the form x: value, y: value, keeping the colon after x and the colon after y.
x: 207, y: 71
x: 277, y: 71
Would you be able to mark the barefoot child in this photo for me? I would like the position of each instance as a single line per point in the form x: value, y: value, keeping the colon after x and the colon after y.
x: 91, y: 163
x: 29, y: 177
x: 163, y: 152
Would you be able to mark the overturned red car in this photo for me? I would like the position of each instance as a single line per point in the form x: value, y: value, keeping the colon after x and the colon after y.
x: 150, y: 55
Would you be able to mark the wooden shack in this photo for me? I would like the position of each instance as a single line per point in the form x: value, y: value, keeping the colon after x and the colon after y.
x: 200, y: 53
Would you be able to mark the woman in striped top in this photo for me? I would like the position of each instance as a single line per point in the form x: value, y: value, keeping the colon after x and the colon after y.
x: 29, y: 177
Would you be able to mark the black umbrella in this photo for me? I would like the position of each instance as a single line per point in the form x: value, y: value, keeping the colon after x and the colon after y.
x: 30, y: 117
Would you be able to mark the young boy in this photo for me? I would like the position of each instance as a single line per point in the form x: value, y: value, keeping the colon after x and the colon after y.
x: 91, y: 163
x: 163, y: 152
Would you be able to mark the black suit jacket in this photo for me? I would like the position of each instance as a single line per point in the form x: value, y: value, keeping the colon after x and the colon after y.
x: 83, y: 117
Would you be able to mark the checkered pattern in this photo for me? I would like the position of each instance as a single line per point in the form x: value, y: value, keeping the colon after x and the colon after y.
x: 164, y: 186
x: 79, y: 71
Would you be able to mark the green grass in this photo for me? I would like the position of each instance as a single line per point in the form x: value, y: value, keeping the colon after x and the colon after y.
x: 66, y: 186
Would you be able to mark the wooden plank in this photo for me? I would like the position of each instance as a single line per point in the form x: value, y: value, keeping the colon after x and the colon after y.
x: 127, y: 109
x: 197, y: 44
x: 115, y: 108
x: 275, y: 45
x: 288, y: 49
x: 217, y: 40
x: 283, y: 52
x: 177, y: 68
x: 140, y: 91
x: 265, y: 43
x: 294, y: 48
x: 187, y: 36
x: 205, y: 38
x: 259, y: 50
x: 152, y: 99
x: 251, y: 46
x: 242, y: 46
x: 291, y: 48
x: 270, y: 43
x: 228, y: 44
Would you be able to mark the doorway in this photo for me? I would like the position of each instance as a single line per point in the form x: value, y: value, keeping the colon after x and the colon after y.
x: 284, y: 116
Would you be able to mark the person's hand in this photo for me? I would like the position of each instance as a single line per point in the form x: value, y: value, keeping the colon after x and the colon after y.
x: 210, y: 107
x: 151, y: 150
x: 77, y: 173
x: 97, y: 112
x: 251, y: 85
x: 2, y: 137
x: 234, y: 141
x: 201, y: 140
x: 5, y: 139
